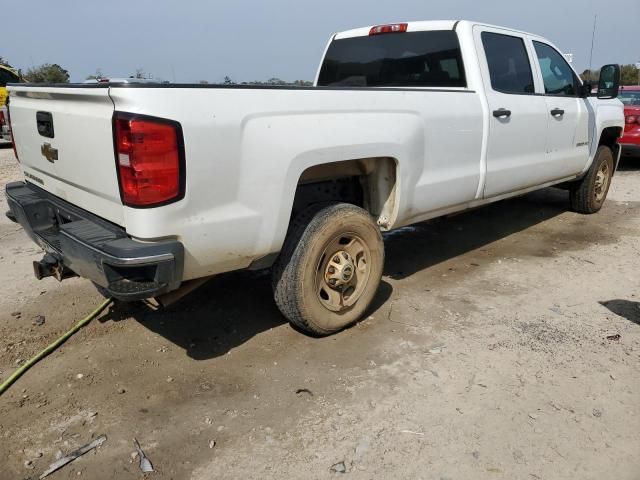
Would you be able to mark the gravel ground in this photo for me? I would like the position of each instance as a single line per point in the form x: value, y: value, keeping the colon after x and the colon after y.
x: 492, y: 352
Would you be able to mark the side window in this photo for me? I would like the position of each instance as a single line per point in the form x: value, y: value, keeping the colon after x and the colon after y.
x: 558, y: 77
x: 509, y: 66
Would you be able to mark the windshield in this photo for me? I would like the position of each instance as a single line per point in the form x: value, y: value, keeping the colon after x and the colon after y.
x: 414, y: 59
x: 630, y: 97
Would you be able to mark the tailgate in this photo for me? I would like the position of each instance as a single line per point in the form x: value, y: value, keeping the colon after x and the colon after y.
x: 64, y: 140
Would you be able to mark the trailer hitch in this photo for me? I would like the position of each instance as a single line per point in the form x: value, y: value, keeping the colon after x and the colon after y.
x: 51, y: 266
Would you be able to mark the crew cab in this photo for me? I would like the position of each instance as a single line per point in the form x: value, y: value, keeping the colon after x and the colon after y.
x: 144, y: 189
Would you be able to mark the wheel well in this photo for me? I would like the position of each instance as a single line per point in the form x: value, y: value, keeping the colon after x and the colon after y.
x: 609, y: 137
x: 369, y: 183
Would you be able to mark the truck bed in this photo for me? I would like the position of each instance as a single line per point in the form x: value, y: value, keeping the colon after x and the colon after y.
x: 246, y: 148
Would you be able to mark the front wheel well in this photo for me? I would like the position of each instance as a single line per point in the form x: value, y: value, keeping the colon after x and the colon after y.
x: 370, y: 183
x: 609, y: 138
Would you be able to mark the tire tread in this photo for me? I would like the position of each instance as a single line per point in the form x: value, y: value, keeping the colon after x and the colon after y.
x: 581, y: 195
x: 286, y: 274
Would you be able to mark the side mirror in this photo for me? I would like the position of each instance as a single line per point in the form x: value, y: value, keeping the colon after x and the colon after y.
x: 609, y: 82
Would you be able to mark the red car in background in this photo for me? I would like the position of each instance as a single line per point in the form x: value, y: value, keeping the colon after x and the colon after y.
x: 630, y: 140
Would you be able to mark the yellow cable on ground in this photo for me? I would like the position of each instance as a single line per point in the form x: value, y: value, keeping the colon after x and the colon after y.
x: 18, y: 373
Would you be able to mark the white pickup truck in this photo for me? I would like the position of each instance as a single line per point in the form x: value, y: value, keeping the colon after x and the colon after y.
x: 142, y: 188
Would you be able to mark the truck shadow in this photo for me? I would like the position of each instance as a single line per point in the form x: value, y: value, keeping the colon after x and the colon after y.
x: 421, y: 246
x: 232, y: 308
x: 226, y: 312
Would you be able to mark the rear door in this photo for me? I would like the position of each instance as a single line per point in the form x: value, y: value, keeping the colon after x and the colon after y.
x: 567, y: 149
x: 517, y: 116
x: 64, y: 141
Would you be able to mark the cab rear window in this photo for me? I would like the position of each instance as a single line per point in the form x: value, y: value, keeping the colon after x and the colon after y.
x: 413, y: 59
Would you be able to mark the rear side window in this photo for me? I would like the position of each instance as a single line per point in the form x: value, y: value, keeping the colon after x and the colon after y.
x: 557, y: 75
x: 508, y: 62
x: 412, y: 59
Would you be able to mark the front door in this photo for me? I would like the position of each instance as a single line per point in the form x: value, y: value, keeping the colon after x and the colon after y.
x: 567, y: 132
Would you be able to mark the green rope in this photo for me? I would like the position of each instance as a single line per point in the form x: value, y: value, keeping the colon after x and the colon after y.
x: 18, y: 373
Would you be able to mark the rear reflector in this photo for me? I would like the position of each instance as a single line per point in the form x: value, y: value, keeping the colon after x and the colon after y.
x: 150, y: 160
x: 391, y: 28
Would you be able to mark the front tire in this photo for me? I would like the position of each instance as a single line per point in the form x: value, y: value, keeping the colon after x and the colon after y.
x: 329, y: 268
x: 588, y: 195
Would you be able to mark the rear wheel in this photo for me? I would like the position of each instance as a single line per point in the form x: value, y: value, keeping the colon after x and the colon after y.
x: 588, y: 195
x: 329, y: 268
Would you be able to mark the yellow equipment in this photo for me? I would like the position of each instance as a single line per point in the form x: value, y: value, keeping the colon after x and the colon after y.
x: 7, y: 75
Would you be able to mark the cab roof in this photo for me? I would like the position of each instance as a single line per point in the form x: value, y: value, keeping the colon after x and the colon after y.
x: 418, y: 26
x: 421, y: 26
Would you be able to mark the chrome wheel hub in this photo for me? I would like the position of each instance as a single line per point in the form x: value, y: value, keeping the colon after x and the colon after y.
x: 343, y: 272
x: 601, y: 183
x: 340, y: 270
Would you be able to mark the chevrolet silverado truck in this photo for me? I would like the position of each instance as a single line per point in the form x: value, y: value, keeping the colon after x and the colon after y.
x: 143, y: 189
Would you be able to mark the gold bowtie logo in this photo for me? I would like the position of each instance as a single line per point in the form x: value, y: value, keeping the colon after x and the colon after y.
x: 49, y: 152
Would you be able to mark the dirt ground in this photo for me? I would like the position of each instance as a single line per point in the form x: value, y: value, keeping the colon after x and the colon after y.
x: 491, y: 353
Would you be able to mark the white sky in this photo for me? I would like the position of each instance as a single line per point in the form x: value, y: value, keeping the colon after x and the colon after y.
x: 188, y: 41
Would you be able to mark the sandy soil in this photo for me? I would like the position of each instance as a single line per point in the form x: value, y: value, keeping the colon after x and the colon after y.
x: 485, y: 356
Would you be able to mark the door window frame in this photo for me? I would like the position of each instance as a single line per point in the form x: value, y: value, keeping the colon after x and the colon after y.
x: 528, y: 45
x: 528, y: 39
x: 542, y: 90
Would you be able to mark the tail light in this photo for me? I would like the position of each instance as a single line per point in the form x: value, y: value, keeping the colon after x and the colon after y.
x: 631, y: 119
x: 149, y: 159
x: 13, y: 138
x: 3, y: 122
x: 391, y: 28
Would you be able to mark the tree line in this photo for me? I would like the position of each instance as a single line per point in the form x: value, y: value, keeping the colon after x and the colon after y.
x: 45, y: 73
x: 54, y: 73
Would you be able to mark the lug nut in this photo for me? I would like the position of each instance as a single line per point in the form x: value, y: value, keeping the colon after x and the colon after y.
x: 332, y: 270
x: 336, y: 259
x: 332, y: 281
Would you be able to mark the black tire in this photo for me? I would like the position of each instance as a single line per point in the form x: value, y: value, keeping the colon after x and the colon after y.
x: 301, y: 277
x: 588, y: 195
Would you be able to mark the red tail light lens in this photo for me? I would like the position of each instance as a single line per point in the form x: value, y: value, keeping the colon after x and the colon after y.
x: 391, y: 28
x: 2, y: 119
x: 150, y: 160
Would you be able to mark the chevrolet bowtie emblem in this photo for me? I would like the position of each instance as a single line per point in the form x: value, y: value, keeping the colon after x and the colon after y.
x: 49, y: 152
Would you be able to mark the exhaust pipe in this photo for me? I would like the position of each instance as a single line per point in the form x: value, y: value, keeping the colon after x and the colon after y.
x: 187, y: 287
x: 51, y: 266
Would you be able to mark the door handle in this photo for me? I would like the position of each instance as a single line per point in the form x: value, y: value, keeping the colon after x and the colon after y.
x: 501, y: 112
x: 557, y: 112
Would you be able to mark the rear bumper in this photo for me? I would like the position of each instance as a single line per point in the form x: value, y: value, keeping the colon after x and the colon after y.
x: 630, y: 149
x: 94, y: 248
